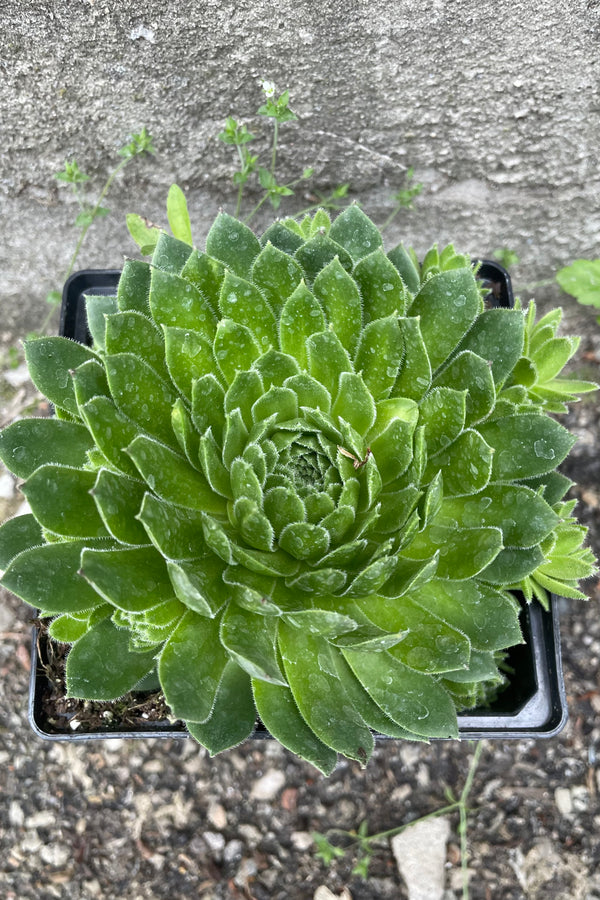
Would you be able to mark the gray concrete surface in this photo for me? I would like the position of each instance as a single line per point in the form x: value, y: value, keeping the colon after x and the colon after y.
x: 495, y: 105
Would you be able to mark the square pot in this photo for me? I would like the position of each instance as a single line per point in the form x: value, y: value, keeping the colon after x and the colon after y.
x: 532, y: 706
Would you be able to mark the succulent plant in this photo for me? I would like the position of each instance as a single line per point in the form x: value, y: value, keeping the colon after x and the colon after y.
x: 298, y: 478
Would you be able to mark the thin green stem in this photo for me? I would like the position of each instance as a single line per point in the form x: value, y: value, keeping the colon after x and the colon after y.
x: 253, y: 212
x: 85, y: 229
x: 391, y: 217
x: 274, y: 152
x: 240, y: 192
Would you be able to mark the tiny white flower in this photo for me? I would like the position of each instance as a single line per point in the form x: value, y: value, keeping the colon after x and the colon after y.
x: 268, y: 87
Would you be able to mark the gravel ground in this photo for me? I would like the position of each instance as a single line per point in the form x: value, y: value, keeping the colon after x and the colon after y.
x: 154, y: 819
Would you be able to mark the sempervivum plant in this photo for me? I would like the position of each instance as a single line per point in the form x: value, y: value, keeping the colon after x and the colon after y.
x: 297, y: 478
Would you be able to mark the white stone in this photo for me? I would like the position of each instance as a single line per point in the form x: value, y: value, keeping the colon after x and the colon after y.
x: 420, y: 854
x: 215, y: 841
x: 16, y: 816
x: 323, y: 893
x: 42, y: 819
x: 267, y: 787
x: 302, y: 840
x: 217, y: 816
x: 55, y: 854
x: 563, y: 800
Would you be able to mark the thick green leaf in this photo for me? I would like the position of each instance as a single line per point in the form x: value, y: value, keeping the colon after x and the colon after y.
x: 469, y: 372
x: 285, y: 238
x: 119, y: 499
x: 141, y: 394
x: 403, y: 262
x: 355, y: 232
x: 89, y: 381
x: 379, y: 355
x: 512, y: 565
x: 309, y: 391
x: 442, y: 412
x: 275, y: 367
x: 191, y: 666
x: 67, y: 629
x: 177, y: 214
x: 488, y: 617
x: 448, y: 304
x: 382, y: 289
x: 413, y: 700
x: 327, y: 623
x: 282, y: 505
x: 133, y: 332
x: 206, y: 274
x: 280, y: 715
x: 415, y: 373
x: 233, y: 716
x: 462, y: 554
x: 47, y: 577
x: 340, y: 299
x: 482, y: 667
x: 233, y: 243
x: 251, y: 641
x: 429, y: 645
x: 373, y: 715
x: 186, y: 434
x: 466, y: 465
x: 170, y: 476
x: 198, y: 584
x: 497, y: 336
x: 303, y: 540
x: 242, y: 302
x: 211, y: 461
x: 523, y: 516
x: 189, y: 356
x: 301, y: 316
x: 61, y: 501
x: 280, y: 402
x: 170, y: 254
x: 178, y: 303
x: 176, y: 532
x: 50, y: 361
x: 525, y: 445
x: 208, y: 399
x: 234, y: 348
x: 317, y: 252
x: 277, y: 275
x: 322, y: 701
x: 18, y: 534
x: 132, y: 579
x: 134, y: 286
x: 112, y: 431
x: 100, y: 665
x: 327, y: 360
x: 97, y: 308
x: 29, y: 443
x: 391, y: 438
x: 253, y: 525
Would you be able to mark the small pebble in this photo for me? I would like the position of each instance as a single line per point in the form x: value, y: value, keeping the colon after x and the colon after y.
x: 267, y: 787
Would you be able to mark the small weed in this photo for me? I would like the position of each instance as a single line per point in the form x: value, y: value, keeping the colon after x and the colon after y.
x: 506, y: 257
x: 362, y: 844
x: 137, y: 145
x: 582, y: 280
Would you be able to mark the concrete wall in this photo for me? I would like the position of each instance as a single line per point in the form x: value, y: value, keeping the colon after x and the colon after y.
x: 494, y: 104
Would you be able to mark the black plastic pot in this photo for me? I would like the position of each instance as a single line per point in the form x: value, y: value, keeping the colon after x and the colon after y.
x: 534, y: 704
